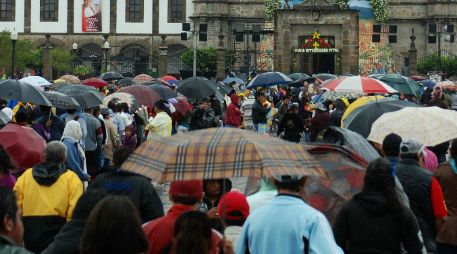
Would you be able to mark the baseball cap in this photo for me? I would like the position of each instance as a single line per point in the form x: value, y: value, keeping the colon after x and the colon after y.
x: 190, y: 188
x: 234, y: 201
x: 411, y: 146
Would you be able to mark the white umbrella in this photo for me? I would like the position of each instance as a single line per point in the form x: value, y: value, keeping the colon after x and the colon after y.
x: 429, y: 125
x: 36, y: 81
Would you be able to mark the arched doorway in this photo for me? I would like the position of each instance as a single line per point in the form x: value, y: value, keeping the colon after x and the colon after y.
x: 133, y: 60
x: 90, y: 55
x: 175, y: 65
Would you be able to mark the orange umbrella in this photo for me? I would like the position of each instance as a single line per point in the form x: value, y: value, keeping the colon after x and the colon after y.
x: 71, y: 79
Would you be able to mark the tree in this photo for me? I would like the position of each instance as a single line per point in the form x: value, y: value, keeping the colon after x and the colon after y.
x: 24, y: 52
x: 83, y: 71
x: 447, y: 65
x: 206, y: 59
x: 61, y: 61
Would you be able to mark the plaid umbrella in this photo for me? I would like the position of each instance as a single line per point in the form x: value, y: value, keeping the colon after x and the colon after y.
x: 142, y: 78
x: 71, y: 79
x: 220, y: 153
x: 60, y: 100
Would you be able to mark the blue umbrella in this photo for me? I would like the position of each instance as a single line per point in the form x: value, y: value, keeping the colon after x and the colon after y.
x: 176, y: 83
x: 236, y: 80
x: 428, y: 83
x: 269, y: 79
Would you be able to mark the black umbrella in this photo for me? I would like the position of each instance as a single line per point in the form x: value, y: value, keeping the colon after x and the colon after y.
x: 126, y: 82
x: 361, y: 119
x: 197, y: 88
x: 4, y: 119
x: 164, y: 92
x: 86, y: 96
x: 60, y: 100
x: 111, y: 75
x: 223, y: 88
x: 325, y: 76
x: 21, y: 91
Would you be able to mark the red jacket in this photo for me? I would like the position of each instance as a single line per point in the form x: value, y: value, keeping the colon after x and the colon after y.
x: 160, y: 231
x: 233, y: 115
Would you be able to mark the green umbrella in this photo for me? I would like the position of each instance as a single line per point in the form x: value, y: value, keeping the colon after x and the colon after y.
x: 401, y: 83
x: 297, y: 76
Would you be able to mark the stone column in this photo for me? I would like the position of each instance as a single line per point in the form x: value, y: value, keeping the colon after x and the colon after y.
x: 220, y: 58
x: 163, y: 57
x: 286, y: 50
x: 47, y: 59
x: 412, y: 56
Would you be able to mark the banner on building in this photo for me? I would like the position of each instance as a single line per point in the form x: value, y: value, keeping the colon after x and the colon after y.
x: 92, y: 16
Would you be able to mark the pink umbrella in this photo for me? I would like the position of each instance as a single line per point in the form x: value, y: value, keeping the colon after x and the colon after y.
x: 359, y: 84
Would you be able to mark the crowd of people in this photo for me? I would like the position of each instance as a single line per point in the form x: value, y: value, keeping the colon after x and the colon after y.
x: 78, y: 200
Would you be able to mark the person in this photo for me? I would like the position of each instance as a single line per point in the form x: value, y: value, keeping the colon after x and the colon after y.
x: 192, y: 234
x: 423, y: 191
x: 161, y: 125
x: 73, y: 115
x: 319, y: 122
x: 337, y: 114
x: 125, y: 114
x: 263, y: 196
x: 117, y: 119
x: 93, y: 140
x: 43, y: 128
x: 214, y: 189
x: 446, y: 174
x: 69, y: 237
x: 246, y: 110
x: 287, y: 219
x: 429, y: 160
x: 138, y: 188
x: 76, y: 159
x: 259, y: 113
x: 185, y: 196
x: 7, y: 179
x: 11, y: 228
x: 233, y: 115
x: 437, y: 98
x: 291, y: 126
x: 203, y: 116
x: 112, y: 138
x: 114, y: 226
x: 374, y: 220
x: 129, y: 139
x: 56, y: 125
x: 47, y: 195
x: 233, y: 211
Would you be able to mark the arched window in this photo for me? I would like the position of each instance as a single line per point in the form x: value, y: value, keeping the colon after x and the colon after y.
x: 7, y: 10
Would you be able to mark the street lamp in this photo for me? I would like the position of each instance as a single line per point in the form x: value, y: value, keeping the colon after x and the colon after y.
x: 106, y: 47
x: 13, y: 54
x: 75, y: 50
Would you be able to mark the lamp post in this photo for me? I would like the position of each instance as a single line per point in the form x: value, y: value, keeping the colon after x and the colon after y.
x: 13, y: 54
x: 75, y: 50
x: 47, y: 58
x: 106, y: 48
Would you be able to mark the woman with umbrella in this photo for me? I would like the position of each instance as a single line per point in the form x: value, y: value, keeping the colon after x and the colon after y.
x: 161, y: 124
x: 76, y: 160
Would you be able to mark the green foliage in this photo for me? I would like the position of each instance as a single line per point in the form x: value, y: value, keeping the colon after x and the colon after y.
x: 271, y: 7
x: 24, y: 52
x: 381, y: 10
x: 206, y: 59
x: 432, y: 63
x: 61, y: 61
x: 229, y: 58
x: 83, y: 71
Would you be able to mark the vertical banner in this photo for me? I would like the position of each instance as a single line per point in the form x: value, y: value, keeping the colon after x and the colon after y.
x: 92, y: 16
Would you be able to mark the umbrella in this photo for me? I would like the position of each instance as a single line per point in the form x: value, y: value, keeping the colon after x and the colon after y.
x: 111, y: 75
x: 23, y: 144
x: 60, y: 100
x: 19, y: 90
x: 59, y: 85
x: 142, y: 78
x: 296, y: 76
x: 71, y: 79
x: 168, y: 78
x: 4, y: 119
x: 164, y: 91
x: 231, y: 80
x: 428, y: 83
x: 95, y: 82
x: 269, y: 79
x: 197, y: 88
x: 359, y: 84
x: 346, y: 173
x: 333, y: 95
x: 121, y: 97
x: 182, y: 106
x: 220, y: 153
x: 429, y: 125
x: 359, y: 102
x: 126, y: 82
x: 417, y: 78
x: 36, y: 81
x: 86, y: 96
x: 363, y: 117
x: 324, y: 76
x: 172, y: 83
x: 401, y: 84
x: 352, y: 140
x: 447, y: 84
x: 223, y: 89
x: 143, y: 94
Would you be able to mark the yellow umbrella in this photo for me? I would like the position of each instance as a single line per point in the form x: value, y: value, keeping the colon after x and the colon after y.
x: 357, y: 103
x: 60, y: 81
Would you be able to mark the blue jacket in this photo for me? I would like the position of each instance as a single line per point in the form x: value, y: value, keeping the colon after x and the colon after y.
x: 287, y: 225
x: 74, y: 160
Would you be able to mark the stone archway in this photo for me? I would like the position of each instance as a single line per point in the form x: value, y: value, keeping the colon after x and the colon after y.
x: 175, y: 65
x: 133, y: 59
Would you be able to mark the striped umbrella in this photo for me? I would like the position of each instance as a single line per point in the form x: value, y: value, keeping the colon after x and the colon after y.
x: 358, y: 84
x: 142, y: 78
x: 220, y: 153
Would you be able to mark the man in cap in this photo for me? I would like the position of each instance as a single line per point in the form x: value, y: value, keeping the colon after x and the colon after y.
x: 233, y: 211
x: 185, y: 196
x: 423, y: 191
x: 287, y: 224
x: 319, y: 122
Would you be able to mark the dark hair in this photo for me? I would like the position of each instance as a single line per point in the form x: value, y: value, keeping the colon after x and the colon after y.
x: 20, y: 117
x: 453, y: 149
x: 5, y: 161
x: 114, y: 226
x: 71, y: 111
x: 192, y: 233
x: 124, y: 107
x: 184, y: 200
x: 112, y: 104
x: 87, y: 202
x: 120, y: 155
x: 391, y: 145
x: 8, y: 205
x: 290, y: 185
x: 162, y: 105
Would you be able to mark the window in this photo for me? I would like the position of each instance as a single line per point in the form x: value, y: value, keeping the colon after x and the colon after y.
x: 7, y: 12
x: 388, y: 33
x: 49, y: 10
x: 176, y: 11
x: 376, y: 38
x: 134, y: 11
x: 392, y: 33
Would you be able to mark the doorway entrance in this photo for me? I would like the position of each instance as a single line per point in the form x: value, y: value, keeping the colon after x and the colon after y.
x: 323, y: 63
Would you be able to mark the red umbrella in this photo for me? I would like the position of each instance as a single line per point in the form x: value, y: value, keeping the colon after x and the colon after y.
x: 95, y: 82
x: 23, y: 144
x: 168, y: 78
x: 182, y: 107
x: 359, y: 84
x: 143, y: 94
